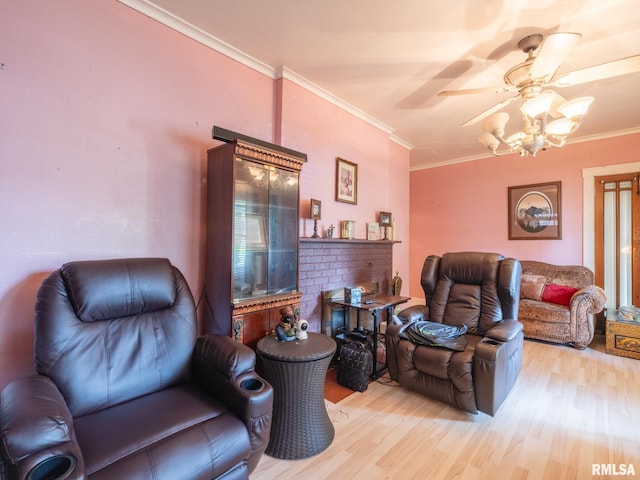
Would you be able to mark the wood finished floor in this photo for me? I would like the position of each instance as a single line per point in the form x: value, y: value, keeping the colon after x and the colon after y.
x: 568, y: 410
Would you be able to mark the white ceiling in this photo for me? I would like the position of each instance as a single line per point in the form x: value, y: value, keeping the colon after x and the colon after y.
x: 390, y: 59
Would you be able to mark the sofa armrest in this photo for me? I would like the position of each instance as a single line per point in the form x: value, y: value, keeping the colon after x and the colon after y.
x: 226, y: 370
x: 37, y: 431
x: 590, y: 299
x: 505, y: 331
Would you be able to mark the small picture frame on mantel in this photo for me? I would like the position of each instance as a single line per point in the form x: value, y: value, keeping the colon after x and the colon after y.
x: 315, y: 213
x: 316, y: 209
x: 373, y: 231
x: 348, y: 230
x: 385, y: 222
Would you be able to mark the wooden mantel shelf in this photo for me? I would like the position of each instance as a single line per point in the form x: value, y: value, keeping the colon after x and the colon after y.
x: 346, y: 240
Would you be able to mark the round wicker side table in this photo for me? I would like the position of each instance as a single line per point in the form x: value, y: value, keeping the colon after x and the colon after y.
x: 300, y: 425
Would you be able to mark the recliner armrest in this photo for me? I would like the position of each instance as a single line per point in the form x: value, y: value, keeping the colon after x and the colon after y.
x: 37, y: 430
x: 505, y: 331
x: 414, y: 313
x: 226, y: 370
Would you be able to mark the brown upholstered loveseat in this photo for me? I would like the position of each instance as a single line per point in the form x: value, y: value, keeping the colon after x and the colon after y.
x: 558, y: 302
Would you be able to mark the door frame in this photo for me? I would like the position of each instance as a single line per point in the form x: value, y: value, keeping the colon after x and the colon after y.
x: 588, y: 206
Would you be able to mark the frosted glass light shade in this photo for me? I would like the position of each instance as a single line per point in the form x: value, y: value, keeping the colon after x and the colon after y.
x: 489, y: 141
x: 560, y: 127
x: 495, y: 123
x: 540, y: 105
x: 575, y: 108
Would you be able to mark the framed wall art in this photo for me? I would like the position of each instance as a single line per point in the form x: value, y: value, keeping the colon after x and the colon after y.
x: 535, y: 212
x: 346, y: 181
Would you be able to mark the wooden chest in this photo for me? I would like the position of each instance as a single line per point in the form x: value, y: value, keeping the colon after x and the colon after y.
x: 623, y: 338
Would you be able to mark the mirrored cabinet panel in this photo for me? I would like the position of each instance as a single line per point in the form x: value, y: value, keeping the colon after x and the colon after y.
x: 252, y: 239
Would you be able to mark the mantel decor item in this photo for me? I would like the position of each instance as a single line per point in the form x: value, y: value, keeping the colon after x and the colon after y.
x: 346, y: 181
x: 315, y: 209
x: 329, y: 231
x: 348, y: 229
x: 385, y: 221
x: 396, y: 284
x: 535, y: 212
x: 373, y: 231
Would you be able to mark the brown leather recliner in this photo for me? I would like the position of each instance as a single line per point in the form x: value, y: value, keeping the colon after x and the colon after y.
x: 477, y: 290
x: 125, y: 389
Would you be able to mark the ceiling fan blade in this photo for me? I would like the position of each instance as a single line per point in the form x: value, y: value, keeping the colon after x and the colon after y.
x: 472, y: 91
x: 553, y: 51
x: 490, y: 111
x: 615, y: 68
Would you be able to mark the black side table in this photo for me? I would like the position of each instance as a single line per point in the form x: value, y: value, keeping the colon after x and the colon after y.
x: 300, y: 426
x: 373, y: 304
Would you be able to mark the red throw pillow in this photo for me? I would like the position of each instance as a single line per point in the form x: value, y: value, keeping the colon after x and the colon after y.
x: 558, y: 294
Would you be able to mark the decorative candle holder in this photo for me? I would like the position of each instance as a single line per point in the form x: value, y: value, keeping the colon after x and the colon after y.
x: 315, y: 214
x: 385, y: 221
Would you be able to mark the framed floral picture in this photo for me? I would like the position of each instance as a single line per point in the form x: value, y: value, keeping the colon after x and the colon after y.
x: 346, y: 181
x: 535, y: 212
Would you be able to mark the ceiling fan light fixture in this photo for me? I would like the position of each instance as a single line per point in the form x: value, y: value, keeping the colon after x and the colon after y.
x: 516, y: 139
x: 560, y: 127
x: 576, y: 108
x: 489, y: 141
x: 538, y: 106
x: 495, y: 123
x: 547, y: 118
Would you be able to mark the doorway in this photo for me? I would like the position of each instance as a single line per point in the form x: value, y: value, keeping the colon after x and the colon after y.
x: 617, y: 238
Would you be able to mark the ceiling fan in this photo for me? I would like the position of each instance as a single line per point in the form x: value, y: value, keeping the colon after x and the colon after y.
x: 532, y: 81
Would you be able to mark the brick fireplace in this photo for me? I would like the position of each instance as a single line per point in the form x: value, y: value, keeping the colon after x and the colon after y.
x: 327, y: 264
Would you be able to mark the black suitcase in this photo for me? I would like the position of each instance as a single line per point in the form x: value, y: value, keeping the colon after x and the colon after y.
x: 354, y: 366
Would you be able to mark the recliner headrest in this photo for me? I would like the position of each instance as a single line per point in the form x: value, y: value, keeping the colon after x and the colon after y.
x: 472, y: 268
x: 108, y: 289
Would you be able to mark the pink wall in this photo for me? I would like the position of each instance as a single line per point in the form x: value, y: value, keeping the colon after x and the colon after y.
x: 383, y: 166
x: 464, y: 206
x: 105, y: 122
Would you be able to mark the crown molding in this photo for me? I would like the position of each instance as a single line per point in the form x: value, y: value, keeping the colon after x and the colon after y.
x: 284, y: 72
x: 176, y: 23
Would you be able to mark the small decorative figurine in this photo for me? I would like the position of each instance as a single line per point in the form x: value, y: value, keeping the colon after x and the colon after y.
x: 286, y: 330
x: 396, y: 284
x: 301, y: 329
x: 329, y: 231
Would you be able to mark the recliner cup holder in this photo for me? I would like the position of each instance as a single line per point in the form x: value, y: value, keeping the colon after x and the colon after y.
x: 53, y: 468
x: 252, y: 384
x: 491, y: 342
